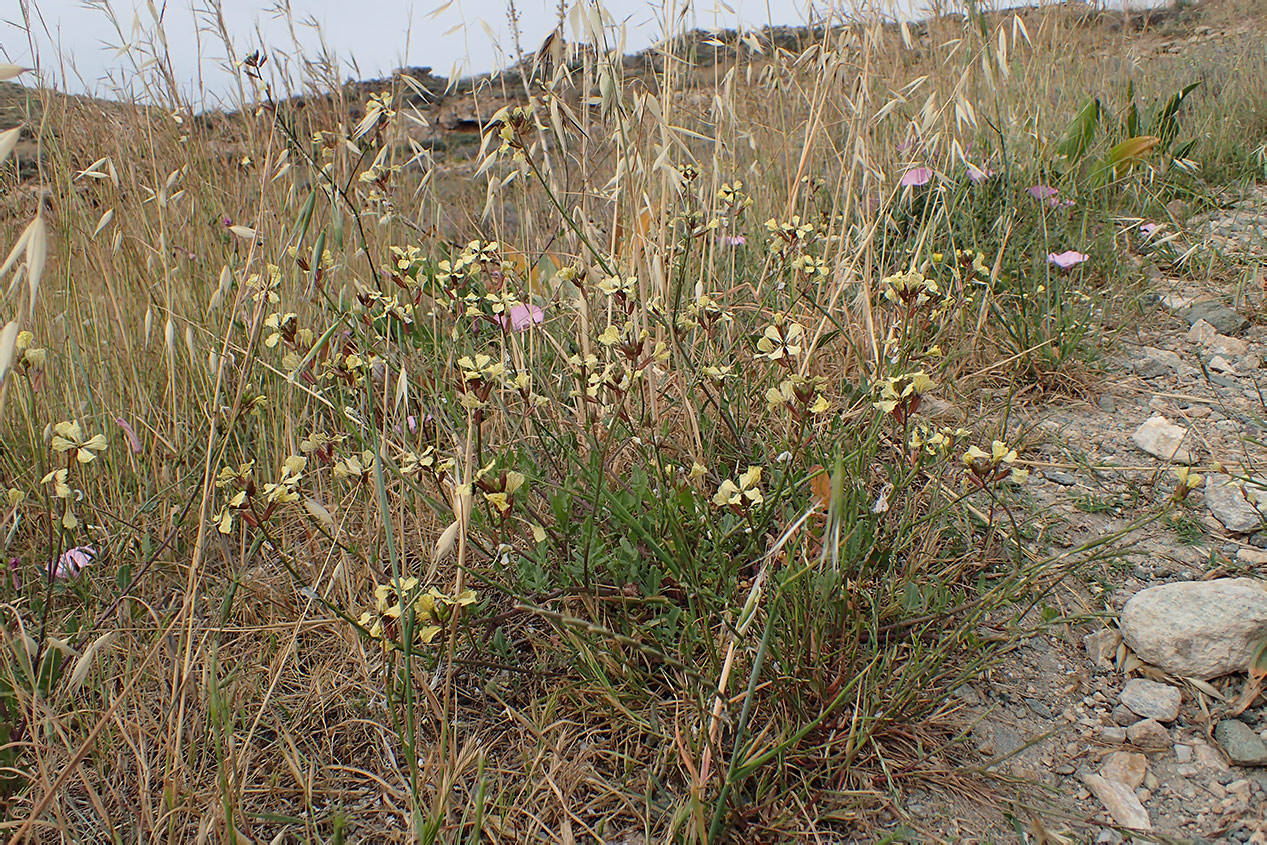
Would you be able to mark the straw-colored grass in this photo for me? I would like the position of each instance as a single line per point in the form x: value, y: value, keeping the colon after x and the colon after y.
x: 541, y: 490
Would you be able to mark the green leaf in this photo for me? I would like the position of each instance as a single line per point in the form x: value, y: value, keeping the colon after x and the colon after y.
x: 1132, y: 111
x: 1080, y: 132
x: 1166, y: 126
x: 1130, y: 152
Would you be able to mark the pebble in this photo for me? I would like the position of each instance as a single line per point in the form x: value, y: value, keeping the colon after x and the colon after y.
x: 1124, y: 715
x: 1223, y: 319
x: 1039, y: 709
x: 1120, y: 801
x: 1152, y: 700
x: 1163, y: 439
x: 1102, y: 646
x: 1245, y: 747
x: 1153, y: 363
x: 1233, y: 503
x: 1202, y: 332
x: 1221, y: 344
x: 1112, y: 733
x: 1221, y: 365
x: 1056, y: 476
x: 1199, y: 629
x: 1183, y: 753
x: 1125, y: 767
x: 1148, y: 733
x: 1208, y: 758
x: 1255, y: 557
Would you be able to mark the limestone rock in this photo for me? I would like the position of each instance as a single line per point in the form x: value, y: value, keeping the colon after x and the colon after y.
x: 1125, y: 767
x: 1199, y: 629
x: 1233, y: 503
x: 1202, y: 332
x: 1221, y: 365
x: 1224, y: 319
x: 1102, y: 646
x: 1152, y: 363
x: 1163, y: 439
x: 1221, y: 344
x: 1245, y: 747
x: 1152, y: 700
x: 1148, y: 733
x: 1119, y: 799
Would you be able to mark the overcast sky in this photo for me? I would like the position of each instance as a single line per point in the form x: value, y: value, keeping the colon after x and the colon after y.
x: 80, y: 36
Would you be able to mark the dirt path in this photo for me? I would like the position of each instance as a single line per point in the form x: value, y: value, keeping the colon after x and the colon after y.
x: 1055, y: 713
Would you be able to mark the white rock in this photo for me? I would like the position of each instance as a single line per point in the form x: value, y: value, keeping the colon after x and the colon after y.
x: 1174, y: 301
x: 1202, y: 332
x: 1234, y: 503
x: 1221, y: 365
x: 1125, y: 767
x: 1199, y: 629
x: 1163, y: 439
x: 1153, y: 362
x: 1102, y: 646
x: 1252, y: 556
x: 1221, y: 344
x: 1119, y: 799
x: 1152, y: 700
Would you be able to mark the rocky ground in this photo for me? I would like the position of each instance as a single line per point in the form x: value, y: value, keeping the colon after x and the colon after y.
x: 1136, y: 717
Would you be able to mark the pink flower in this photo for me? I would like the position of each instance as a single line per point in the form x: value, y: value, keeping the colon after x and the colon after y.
x: 134, y: 442
x: 72, y: 562
x: 978, y: 175
x: 522, y: 316
x: 1068, y: 258
x: 1147, y: 229
x: 1044, y: 192
x: 916, y: 176
x: 733, y: 240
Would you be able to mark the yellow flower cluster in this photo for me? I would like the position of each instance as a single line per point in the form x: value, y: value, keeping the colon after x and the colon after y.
x: 741, y: 494
x: 995, y: 465
x: 782, y: 340
x: 69, y: 437
x: 254, y: 504
x: 936, y: 442
x: 432, y: 610
x: 27, y: 355
x: 799, y: 394
x: 899, y: 395
x: 909, y: 288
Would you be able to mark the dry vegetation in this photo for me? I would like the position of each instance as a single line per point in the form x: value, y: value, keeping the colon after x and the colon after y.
x: 556, y: 495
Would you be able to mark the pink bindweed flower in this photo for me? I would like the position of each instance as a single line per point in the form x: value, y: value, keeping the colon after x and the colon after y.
x: 134, y: 442
x: 916, y: 176
x: 72, y: 562
x: 522, y: 317
x: 1044, y: 192
x: 732, y: 240
x: 1148, y: 229
x: 977, y: 175
x: 1068, y: 258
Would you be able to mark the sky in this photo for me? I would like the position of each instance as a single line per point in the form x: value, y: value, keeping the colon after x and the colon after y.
x: 81, y: 44
x: 96, y: 46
